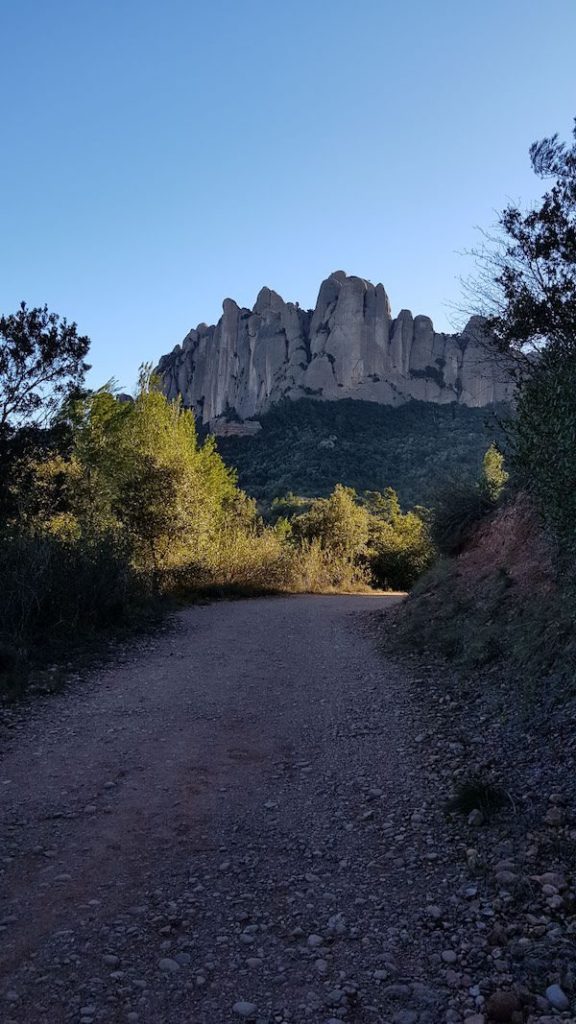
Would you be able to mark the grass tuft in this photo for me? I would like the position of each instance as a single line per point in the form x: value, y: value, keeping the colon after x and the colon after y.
x: 476, y: 793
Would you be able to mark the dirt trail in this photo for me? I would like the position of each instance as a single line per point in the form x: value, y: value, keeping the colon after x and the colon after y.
x: 229, y: 825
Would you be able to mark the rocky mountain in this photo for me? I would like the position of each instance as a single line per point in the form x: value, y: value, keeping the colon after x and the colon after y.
x: 349, y: 346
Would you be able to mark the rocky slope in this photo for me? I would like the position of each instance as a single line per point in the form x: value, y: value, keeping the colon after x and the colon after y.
x: 503, y: 606
x: 349, y: 346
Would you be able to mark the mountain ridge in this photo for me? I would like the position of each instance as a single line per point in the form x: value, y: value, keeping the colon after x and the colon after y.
x: 348, y: 346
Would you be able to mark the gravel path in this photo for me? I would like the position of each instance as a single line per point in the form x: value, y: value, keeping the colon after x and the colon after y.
x: 234, y: 823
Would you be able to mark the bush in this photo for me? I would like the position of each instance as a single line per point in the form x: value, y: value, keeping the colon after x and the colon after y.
x: 134, y: 507
x: 456, y: 509
x: 400, y: 546
x: 460, y: 504
x: 338, y: 523
x: 254, y: 560
x: 317, y: 570
x: 53, y: 591
x: 477, y: 793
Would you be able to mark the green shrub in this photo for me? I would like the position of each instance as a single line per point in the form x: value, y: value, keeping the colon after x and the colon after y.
x: 400, y: 545
x: 318, y: 570
x: 458, y: 506
x: 338, y: 523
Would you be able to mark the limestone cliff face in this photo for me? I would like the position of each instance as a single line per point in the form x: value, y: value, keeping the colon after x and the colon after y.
x: 349, y: 346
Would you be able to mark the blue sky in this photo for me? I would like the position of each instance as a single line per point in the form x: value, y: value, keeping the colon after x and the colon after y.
x: 160, y: 156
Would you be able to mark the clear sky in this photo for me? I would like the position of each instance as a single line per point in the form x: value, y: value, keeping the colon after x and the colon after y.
x: 160, y: 155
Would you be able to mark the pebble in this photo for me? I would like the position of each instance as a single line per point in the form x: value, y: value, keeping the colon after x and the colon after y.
x: 337, y: 924
x: 476, y: 818
x: 505, y: 878
x: 554, y: 817
x: 245, y: 1009
x: 557, y: 998
x: 168, y: 965
x: 335, y: 996
x: 184, y: 959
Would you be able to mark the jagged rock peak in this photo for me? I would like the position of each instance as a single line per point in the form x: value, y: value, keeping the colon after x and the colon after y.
x: 348, y: 346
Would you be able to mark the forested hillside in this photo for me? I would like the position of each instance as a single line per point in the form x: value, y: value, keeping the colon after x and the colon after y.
x: 307, y: 447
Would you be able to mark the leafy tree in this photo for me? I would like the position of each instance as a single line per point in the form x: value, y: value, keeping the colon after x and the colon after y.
x: 332, y: 537
x: 526, y: 271
x: 371, y: 534
x: 338, y: 523
x: 383, y: 505
x: 18, y: 450
x: 288, y: 505
x: 543, y: 439
x: 528, y: 282
x: 136, y: 470
x: 41, y: 363
x: 400, y: 547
